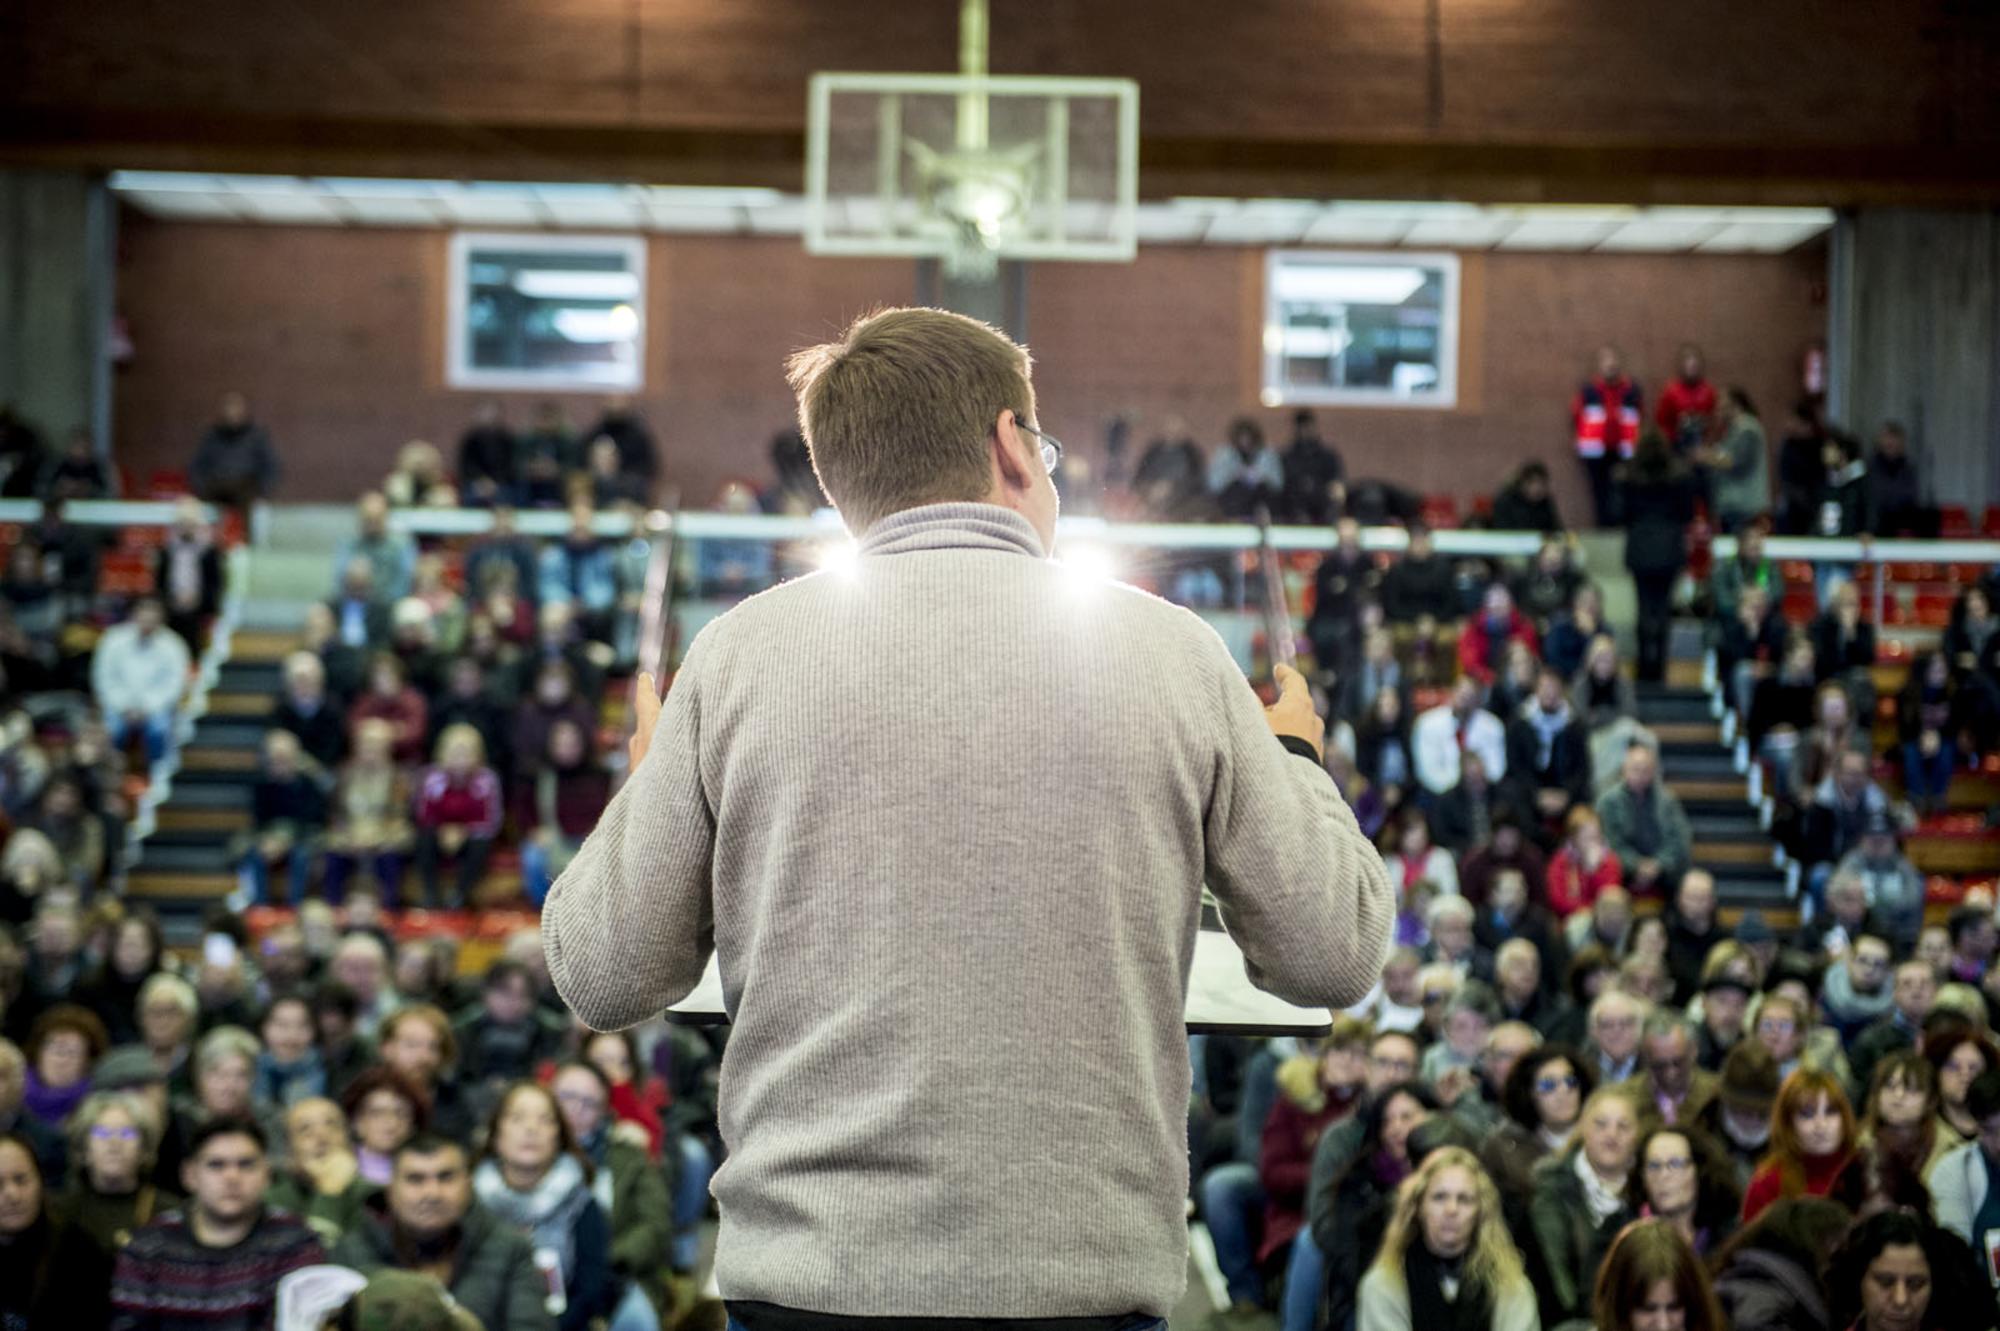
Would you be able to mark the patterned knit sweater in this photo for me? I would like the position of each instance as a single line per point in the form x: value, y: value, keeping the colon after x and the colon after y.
x: 945, y: 817
x: 168, y: 1281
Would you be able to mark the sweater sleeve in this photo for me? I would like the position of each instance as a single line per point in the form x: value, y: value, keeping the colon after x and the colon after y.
x: 630, y: 925
x: 1381, y: 1307
x: 1300, y: 889
x: 1763, y: 1190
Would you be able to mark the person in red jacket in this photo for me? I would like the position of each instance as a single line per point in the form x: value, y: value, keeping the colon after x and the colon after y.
x: 1604, y: 417
x: 459, y: 811
x: 1315, y: 1091
x: 1482, y: 643
x: 1687, y: 403
x: 390, y: 698
x: 1584, y: 865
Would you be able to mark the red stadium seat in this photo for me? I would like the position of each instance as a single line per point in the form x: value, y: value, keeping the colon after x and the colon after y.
x: 1955, y: 521
x: 1440, y: 512
x: 1990, y: 525
x: 167, y: 483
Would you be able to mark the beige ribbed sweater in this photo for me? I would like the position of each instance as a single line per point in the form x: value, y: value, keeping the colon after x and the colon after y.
x: 946, y: 816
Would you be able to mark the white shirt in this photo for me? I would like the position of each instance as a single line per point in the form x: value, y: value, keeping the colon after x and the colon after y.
x: 1434, y: 746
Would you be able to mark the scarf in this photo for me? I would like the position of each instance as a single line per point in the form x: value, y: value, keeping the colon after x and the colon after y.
x: 1603, y: 1200
x: 546, y: 1213
x: 52, y: 1104
x: 287, y: 1083
x: 1546, y: 725
x: 1440, y: 1300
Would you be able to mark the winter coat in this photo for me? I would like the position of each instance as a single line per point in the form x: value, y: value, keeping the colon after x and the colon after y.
x: 1302, y: 1111
x: 1657, y: 510
x: 1618, y: 812
x: 1571, y: 1242
x: 1771, y: 1291
x: 493, y: 1273
x: 1958, y: 1189
x: 1743, y: 485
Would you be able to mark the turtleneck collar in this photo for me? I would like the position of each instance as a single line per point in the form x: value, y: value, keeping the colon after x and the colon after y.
x: 954, y: 526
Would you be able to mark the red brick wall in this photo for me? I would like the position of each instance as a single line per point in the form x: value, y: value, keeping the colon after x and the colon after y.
x: 338, y: 337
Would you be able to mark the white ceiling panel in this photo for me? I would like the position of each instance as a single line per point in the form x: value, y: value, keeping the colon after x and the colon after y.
x: 1562, y: 229
x: 300, y: 207
x: 185, y: 205
x: 388, y: 210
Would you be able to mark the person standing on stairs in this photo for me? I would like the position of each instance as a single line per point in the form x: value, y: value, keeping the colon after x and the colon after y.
x: 1656, y: 496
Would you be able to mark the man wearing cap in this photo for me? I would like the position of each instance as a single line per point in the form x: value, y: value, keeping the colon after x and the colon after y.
x: 1912, y: 993
x: 51, y: 1152
x: 1894, y: 886
x: 1739, y: 1117
x: 1725, y: 1001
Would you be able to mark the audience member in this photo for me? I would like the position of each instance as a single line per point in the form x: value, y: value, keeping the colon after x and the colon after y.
x: 1739, y: 465
x: 1579, y: 1202
x: 1525, y: 503
x: 1446, y: 1258
x: 1605, y: 420
x: 1455, y: 727
x: 1812, y: 1139
x: 216, y: 1263
x: 236, y: 464
x: 1652, y: 1278
x: 1645, y: 826
x: 137, y: 674
x: 1657, y: 498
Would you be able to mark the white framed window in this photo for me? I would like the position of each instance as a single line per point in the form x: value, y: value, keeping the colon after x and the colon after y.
x: 546, y: 313
x: 1361, y: 328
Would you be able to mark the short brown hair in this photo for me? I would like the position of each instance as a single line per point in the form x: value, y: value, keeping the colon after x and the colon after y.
x: 898, y: 411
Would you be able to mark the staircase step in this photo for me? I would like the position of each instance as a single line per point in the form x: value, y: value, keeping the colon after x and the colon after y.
x: 1684, y: 673
x: 229, y: 732
x: 1689, y: 710
x: 250, y: 677
x: 1782, y: 916
x: 200, y: 758
x: 174, y: 816
x: 1709, y: 788
x: 210, y: 858
x: 1756, y: 853
x: 257, y: 646
x: 1672, y: 733
x: 231, y: 704
x: 210, y: 791
x: 1954, y: 854
x: 146, y: 885
x: 1664, y: 691
x: 1698, y: 764
x: 1738, y: 823
x: 206, y: 838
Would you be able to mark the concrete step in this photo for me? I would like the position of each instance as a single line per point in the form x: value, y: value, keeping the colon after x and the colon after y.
x: 196, y: 758
x: 176, y: 859
x: 199, y: 837
x: 229, y: 732
x: 1691, y: 789
x: 1734, y: 853
x: 1674, y: 733
x: 248, y: 646
x: 174, y: 816
x: 210, y: 792
x: 188, y: 890
x: 1739, y: 825
x: 1689, y: 709
x: 250, y: 677
x: 1698, y: 764
x: 240, y: 704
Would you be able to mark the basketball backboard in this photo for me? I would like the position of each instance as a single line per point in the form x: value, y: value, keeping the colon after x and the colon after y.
x: 972, y: 169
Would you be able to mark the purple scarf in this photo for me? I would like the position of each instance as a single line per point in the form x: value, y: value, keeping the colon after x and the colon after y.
x: 52, y: 1105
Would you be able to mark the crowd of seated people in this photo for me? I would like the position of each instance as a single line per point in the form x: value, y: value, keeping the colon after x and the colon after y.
x: 176, y: 1137
x: 422, y: 727
x: 1568, y: 1032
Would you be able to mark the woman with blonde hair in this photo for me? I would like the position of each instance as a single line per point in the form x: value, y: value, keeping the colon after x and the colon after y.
x: 1651, y: 1278
x: 459, y: 812
x: 370, y: 814
x: 1446, y: 1262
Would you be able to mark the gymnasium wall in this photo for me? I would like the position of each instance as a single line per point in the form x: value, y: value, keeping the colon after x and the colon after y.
x: 337, y: 335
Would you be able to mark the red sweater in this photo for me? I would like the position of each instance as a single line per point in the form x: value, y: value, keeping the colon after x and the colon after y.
x: 1572, y: 890
x: 1479, y: 654
x: 1766, y: 1187
x: 1680, y: 399
x: 473, y: 803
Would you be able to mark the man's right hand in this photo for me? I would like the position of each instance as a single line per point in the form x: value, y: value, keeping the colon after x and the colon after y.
x: 1293, y: 713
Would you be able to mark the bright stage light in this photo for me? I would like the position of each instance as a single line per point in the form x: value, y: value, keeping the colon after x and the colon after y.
x: 838, y: 556
x: 1088, y: 565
